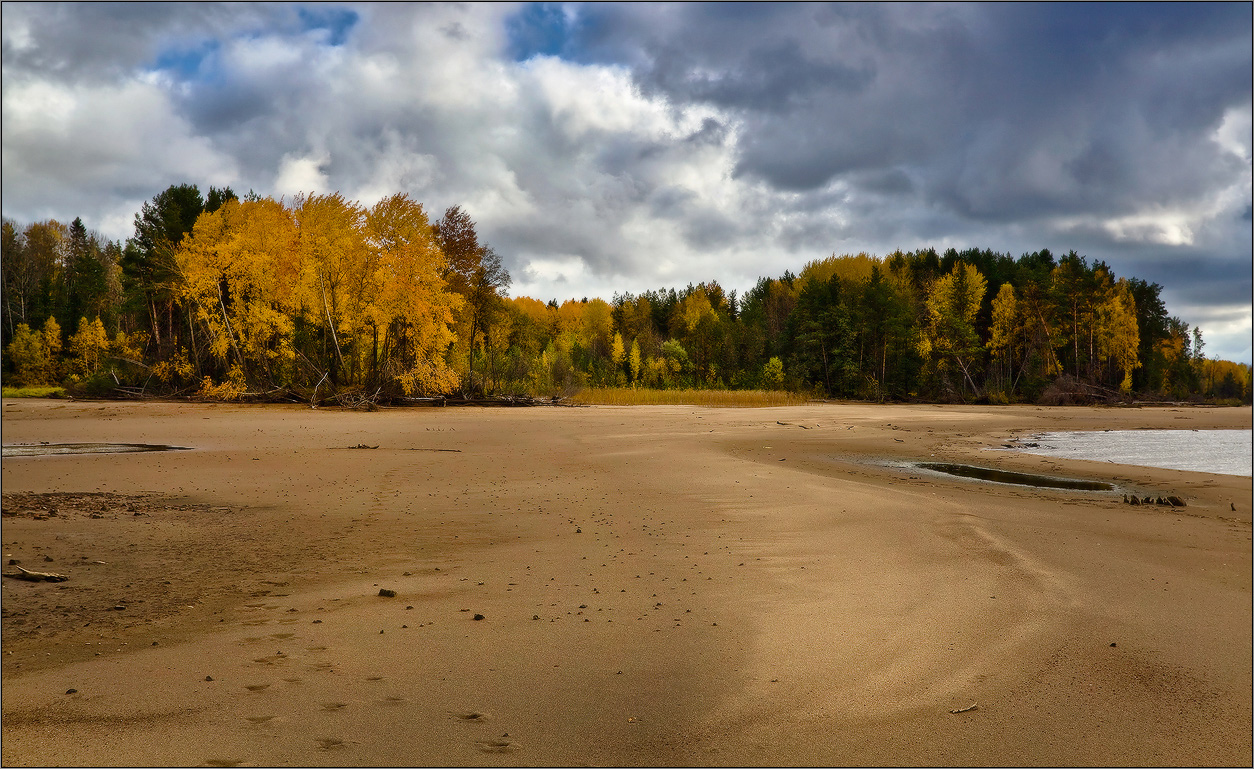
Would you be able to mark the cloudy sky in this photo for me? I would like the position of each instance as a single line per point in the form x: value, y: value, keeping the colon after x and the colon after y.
x: 607, y: 148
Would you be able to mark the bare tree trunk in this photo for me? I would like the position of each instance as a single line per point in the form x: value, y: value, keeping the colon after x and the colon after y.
x: 229, y: 332
x: 152, y: 317
x: 330, y: 323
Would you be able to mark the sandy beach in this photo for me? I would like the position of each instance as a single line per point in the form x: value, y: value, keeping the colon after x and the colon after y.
x: 615, y: 586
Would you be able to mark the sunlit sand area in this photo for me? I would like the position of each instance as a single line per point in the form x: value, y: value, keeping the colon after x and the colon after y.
x: 661, y: 585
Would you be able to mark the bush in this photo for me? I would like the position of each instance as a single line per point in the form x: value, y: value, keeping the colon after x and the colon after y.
x: 26, y: 355
x: 98, y: 384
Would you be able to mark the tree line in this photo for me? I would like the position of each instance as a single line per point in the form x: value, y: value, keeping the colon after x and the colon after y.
x: 317, y: 297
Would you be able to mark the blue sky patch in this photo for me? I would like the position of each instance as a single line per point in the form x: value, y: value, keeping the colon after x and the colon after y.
x: 336, y: 21
x: 186, y: 62
x: 539, y: 29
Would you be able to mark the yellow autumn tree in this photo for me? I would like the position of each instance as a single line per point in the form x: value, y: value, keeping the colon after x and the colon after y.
x: 335, y: 264
x: 409, y: 311
x: 88, y: 345
x: 51, y: 335
x: 26, y: 352
x: 851, y: 269
x: 618, y: 351
x: 949, y: 335
x: 698, y: 326
x: 1004, y: 334
x: 238, y: 273
x: 596, y: 326
x: 320, y: 291
x: 1115, y: 327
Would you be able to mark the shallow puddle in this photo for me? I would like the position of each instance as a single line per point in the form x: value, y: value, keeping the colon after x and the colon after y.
x: 1018, y: 479
x: 48, y: 449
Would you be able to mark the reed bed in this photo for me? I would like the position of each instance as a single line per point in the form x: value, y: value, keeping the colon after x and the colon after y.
x: 627, y: 396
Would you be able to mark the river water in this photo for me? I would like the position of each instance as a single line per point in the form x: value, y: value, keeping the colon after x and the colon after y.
x: 1226, y: 452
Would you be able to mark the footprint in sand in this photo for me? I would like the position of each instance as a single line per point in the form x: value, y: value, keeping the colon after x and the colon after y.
x: 497, y: 746
x: 259, y: 719
x: 334, y: 705
x: 374, y: 678
x: 292, y: 680
x: 330, y: 743
x: 257, y: 687
x: 472, y: 715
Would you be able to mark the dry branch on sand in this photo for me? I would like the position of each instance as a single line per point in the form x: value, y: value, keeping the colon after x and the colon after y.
x: 37, y: 576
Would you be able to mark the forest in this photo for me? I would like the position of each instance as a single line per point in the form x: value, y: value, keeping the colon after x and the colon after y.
x: 319, y: 298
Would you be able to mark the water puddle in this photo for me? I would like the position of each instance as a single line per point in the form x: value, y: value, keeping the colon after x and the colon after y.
x: 1018, y: 479
x: 51, y: 449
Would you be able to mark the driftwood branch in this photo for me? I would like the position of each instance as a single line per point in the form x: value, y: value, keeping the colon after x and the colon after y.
x: 37, y: 576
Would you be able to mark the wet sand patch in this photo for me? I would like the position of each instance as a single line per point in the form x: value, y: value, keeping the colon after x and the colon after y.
x: 55, y: 449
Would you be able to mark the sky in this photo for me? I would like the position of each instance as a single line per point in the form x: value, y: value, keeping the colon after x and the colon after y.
x: 610, y: 148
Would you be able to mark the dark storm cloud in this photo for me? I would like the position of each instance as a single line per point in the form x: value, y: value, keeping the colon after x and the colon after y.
x: 103, y: 41
x: 1005, y: 110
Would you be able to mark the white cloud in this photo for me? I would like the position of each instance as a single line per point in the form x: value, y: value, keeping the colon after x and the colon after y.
x: 72, y: 148
x: 302, y: 174
x: 1226, y: 329
x: 1233, y: 134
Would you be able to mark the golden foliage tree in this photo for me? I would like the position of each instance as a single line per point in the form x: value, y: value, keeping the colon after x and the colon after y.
x: 89, y: 345
x: 321, y: 290
x: 1115, y: 327
x: 949, y: 334
x: 411, y: 303
x: 27, y: 354
x: 1004, y: 336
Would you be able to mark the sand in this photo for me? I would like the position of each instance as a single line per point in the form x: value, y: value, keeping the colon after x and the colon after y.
x: 657, y: 586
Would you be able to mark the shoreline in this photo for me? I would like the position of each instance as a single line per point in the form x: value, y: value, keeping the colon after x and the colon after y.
x: 711, y: 586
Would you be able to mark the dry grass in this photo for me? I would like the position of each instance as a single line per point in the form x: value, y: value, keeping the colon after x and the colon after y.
x: 34, y: 391
x: 626, y: 396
